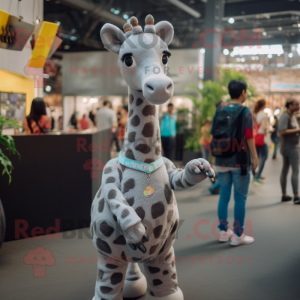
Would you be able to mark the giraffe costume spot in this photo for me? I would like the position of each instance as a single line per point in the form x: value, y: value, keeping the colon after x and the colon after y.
x: 130, y: 222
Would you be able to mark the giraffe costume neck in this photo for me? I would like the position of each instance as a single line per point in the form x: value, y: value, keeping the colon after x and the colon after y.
x: 142, y: 137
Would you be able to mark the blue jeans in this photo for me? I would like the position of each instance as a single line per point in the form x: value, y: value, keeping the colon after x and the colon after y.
x: 262, y: 153
x: 241, y: 186
x: 215, y: 186
x: 275, y: 140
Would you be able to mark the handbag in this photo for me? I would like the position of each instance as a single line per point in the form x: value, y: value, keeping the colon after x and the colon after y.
x: 259, y: 138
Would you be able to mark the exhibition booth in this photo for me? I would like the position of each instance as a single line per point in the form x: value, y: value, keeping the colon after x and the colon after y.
x: 54, y: 182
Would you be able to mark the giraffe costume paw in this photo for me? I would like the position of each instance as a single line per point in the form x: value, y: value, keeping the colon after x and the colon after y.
x: 134, y: 215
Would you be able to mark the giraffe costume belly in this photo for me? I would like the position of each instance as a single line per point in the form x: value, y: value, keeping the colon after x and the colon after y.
x: 127, y: 226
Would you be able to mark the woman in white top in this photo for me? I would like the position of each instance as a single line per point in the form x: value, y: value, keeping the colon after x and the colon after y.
x: 262, y: 151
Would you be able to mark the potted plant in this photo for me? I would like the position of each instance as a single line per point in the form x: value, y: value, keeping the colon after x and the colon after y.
x: 204, y: 106
x: 191, y: 149
x: 6, y: 142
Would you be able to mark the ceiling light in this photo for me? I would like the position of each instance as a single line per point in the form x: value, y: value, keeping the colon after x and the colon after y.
x: 279, y: 28
x: 226, y: 51
x: 264, y: 33
x: 231, y: 20
x: 116, y: 12
x: 84, y: 100
x: 48, y: 88
x: 112, y: 10
x: 269, y: 55
x: 290, y: 54
x: 57, y: 22
x: 125, y: 17
x: 202, y: 50
x: 37, y: 21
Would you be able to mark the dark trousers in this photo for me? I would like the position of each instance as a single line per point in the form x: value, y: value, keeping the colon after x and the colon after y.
x: 168, y: 144
x: 275, y: 140
x: 262, y: 153
x: 114, y: 138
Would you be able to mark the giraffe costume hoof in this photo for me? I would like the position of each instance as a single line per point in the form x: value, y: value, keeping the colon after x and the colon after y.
x: 178, y: 295
x: 135, y: 289
x: 135, y: 284
x: 134, y: 216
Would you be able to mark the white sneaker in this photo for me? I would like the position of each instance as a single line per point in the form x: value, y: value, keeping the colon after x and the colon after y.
x: 225, y: 235
x: 242, y: 240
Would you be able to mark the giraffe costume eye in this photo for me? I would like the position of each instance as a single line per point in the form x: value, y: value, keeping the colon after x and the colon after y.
x: 129, y: 62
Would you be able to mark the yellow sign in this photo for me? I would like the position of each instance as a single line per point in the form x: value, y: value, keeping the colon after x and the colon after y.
x: 3, y: 20
x: 43, y: 45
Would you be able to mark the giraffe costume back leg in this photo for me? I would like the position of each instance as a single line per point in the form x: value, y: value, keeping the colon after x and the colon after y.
x: 127, y: 225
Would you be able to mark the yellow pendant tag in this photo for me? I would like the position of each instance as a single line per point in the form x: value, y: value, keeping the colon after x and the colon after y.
x: 148, y: 192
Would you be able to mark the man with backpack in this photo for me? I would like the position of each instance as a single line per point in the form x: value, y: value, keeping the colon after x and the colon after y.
x: 233, y: 146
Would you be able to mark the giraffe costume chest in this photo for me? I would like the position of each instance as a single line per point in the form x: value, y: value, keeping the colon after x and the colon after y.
x: 158, y: 213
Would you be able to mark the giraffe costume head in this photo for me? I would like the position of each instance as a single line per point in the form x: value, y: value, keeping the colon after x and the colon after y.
x: 134, y: 221
x: 143, y: 56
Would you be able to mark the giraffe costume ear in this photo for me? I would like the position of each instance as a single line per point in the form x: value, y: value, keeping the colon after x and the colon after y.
x: 165, y: 31
x: 112, y: 38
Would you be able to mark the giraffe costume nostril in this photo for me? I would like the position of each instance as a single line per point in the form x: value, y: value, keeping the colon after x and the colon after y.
x: 129, y: 225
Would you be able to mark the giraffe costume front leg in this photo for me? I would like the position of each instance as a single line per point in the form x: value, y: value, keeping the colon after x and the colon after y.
x: 134, y: 215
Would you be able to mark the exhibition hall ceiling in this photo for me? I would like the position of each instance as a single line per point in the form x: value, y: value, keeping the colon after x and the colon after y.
x: 278, y: 22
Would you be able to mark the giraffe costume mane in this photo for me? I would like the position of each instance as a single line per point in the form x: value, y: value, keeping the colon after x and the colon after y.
x: 128, y: 226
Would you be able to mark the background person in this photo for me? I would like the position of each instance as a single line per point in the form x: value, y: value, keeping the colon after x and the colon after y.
x: 74, y: 121
x: 168, y: 131
x: 48, y: 112
x: 106, y: 118
x: 122, y: 124
x: 274, y: 137
x: 288, y: 128
x: 37, y: 121
x: 92, y: 115
x: 84, y: 122
x: 229, y: 175
x: 205, y: 139
x: 261, y: 148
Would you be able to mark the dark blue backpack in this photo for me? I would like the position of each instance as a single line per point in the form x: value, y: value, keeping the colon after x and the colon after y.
x: 227, y: 132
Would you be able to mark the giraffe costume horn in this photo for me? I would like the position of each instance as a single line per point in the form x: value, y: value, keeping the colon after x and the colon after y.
x: 149, y: 27
x: 127, y: 29
x: 136, y: 28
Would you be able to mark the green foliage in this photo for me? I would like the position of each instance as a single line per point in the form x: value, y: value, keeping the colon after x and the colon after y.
x: 229, y: 74
x: 205, y: 99
x: 9, y: 143
x: 192, y: 143
x: 182, y: 118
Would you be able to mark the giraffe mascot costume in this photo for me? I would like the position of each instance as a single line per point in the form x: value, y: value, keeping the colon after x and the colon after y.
x: 134, y: 213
